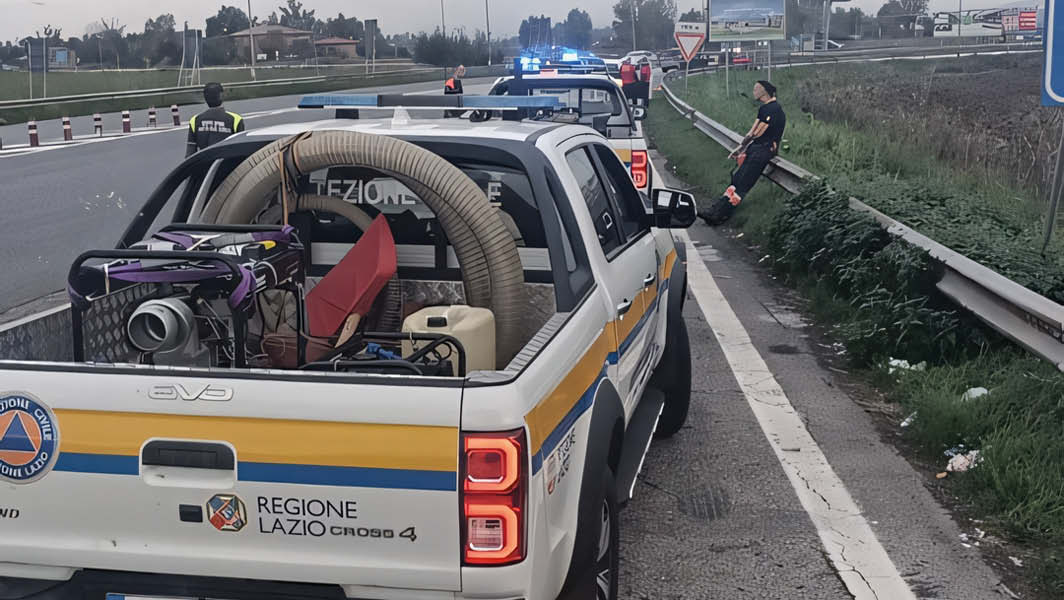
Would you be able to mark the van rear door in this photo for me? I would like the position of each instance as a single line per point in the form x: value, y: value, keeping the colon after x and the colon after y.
x: 317, y: 479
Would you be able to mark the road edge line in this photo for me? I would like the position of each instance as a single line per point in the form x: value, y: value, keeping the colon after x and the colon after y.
x: 860, y: 560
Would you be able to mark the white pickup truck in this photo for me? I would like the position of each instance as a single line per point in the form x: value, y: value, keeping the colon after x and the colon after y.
x: 234, y: 426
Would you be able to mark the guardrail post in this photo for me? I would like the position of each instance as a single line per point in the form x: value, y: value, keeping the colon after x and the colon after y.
x: 68, y: 133
x: 176, y: 115
x: 151, y: 117
x: 34, y: 140
x: 97, y: 124
x: 127, y: 125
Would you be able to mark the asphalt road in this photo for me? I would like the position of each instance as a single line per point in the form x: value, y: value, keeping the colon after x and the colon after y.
x: 62, y: 201
x: 714, y: 514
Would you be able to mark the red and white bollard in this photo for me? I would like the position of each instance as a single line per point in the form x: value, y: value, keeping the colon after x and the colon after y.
x: 127, y: 125
x: 151, y: 117
x: 34, y: 140
x: 68, y: 133
x: 176, y: 115
x: 97, y: 124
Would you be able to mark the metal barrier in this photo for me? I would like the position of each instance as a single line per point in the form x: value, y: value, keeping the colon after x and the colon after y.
x: 10, y: 104
x: 1029, y: 319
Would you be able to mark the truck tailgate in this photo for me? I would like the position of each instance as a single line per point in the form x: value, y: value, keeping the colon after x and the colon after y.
x: 319, y: 480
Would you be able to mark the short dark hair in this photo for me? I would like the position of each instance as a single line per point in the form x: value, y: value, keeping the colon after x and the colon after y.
x: 212, y: 93
x: 771, y: 89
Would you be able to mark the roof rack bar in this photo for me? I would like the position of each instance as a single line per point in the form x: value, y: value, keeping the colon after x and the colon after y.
x: 390, y: 101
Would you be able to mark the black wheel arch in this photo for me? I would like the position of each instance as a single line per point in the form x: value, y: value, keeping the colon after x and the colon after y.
x: 605, y: 439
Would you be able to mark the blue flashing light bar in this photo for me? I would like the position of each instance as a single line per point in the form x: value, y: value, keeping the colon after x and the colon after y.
x: 385, y: 101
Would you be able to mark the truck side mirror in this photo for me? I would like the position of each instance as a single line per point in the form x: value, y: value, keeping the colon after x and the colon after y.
x: 673, y: 209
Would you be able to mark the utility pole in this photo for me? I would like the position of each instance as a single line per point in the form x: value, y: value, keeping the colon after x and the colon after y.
x: 29, y: 65
x: 960, y: 18
x: 443, y: 19
x: 634, y: 47
x: 44, y: 72
x: 251, y: 43
x: 487, y: 19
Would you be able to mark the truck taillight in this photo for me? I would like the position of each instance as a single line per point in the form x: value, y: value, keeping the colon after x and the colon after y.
x: 640, y: 170
x: 644, y: 73
x: 493, y: 497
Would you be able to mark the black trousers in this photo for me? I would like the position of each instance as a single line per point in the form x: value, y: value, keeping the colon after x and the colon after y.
x: 745, y: 177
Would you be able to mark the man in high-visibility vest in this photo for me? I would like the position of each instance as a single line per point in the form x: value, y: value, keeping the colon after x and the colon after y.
x: 212, y: 125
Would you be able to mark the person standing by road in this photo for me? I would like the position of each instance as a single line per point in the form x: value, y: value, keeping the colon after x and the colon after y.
x: 454, y: 86
x: 214, y: 124
x: 757, y: 149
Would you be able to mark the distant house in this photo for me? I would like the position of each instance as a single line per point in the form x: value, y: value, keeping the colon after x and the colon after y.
x: 338, y: 47
x: 271, y: 39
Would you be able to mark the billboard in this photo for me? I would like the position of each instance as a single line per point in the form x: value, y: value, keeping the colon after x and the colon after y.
x: 733, y: 20
x: 970, y: 23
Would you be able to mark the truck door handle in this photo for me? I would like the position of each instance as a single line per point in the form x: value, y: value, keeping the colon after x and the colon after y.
x: 649, y: 280
x: 624, y: 307
x: 188, y: 455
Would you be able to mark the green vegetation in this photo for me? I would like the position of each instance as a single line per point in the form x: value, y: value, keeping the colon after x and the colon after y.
x: 876, y: 296
x: 15, y: 85
x: 910, y: 167
x: 55, y: 111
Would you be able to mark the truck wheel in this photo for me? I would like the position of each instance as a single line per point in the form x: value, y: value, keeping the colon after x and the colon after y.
x: 673, y: 377
x: 607, y: 560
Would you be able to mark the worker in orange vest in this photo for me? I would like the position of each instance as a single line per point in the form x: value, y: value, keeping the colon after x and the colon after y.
x: 454, y: 86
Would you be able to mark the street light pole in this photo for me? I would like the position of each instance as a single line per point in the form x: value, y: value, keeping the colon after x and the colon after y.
x: 487, y: 19
x: 29, y: 65
x: 251, y: 43
x: 634, y: 47
x: 443, y: 19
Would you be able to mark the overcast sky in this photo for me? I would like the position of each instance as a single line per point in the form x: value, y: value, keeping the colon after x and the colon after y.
x: 22, y: 17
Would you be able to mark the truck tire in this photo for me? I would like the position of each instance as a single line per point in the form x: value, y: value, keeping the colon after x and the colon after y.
x: 607, y: 559
x: 673, y: 377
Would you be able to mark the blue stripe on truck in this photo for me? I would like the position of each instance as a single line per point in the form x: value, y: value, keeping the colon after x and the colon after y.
x: 406, y: 479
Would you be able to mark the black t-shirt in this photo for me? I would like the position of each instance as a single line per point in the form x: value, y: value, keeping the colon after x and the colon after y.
x: 772, y: 114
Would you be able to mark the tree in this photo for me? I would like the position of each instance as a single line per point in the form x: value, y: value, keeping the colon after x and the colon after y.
x: 694, y: 16
x: 229, y: 19
x: 535, y: 32
x: 893, y: 20
x: 577, y: 29
x: 295, y: 16
x: 343, y: 27
x: 273, y: 19
x: 654, y: 23
x: 159, y: 43
x: 454, y: 49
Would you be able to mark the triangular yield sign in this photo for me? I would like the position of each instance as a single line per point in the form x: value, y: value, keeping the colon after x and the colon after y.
x: 690, y: 44
x: 15, y: 439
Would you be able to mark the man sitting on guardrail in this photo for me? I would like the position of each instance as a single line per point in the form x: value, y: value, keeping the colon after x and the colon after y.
x: 754, y: 153
x: 214, y: 124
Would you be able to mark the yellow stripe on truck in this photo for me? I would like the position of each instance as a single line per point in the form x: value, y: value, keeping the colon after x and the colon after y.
x: 277, y: 441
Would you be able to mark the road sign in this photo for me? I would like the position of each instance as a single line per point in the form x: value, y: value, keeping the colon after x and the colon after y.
x: 690, y: 37
x: 1053, y: 64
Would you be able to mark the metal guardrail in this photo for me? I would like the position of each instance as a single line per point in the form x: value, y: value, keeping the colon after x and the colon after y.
x: 1029, y: 319
x: 12, y: 104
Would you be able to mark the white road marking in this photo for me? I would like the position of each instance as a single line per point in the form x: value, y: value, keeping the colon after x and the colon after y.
x: 851, y: 545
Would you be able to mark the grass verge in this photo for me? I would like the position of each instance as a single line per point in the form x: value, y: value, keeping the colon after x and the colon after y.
x: 902, y: 167
x: 72, y: 109
x: 876, y: 295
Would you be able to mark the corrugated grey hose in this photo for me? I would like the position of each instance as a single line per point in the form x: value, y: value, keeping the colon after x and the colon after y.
x: 486, y: 252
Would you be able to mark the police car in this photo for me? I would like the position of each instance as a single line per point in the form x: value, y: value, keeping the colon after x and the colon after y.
x: 594, y: 95
x: 196, y: 447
